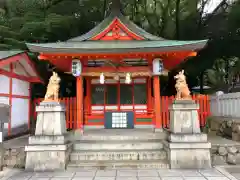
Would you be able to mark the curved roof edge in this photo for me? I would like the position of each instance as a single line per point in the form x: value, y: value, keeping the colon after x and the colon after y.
x: 115, y: 13
x: 117, y: 46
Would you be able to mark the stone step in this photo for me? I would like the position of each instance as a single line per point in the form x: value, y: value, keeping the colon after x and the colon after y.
x: 130, y: 164
x: 122, y: 135
x: 119, y: 145
x: 118, y: 155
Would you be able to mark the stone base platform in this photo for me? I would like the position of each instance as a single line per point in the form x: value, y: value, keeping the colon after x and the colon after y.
x: 187, y: 147
x: 41, y: 140
x: 184, y: 155
x: 49, y: 149
x: 47, y: 157
x: 15, y: 155
x: 187, y: 138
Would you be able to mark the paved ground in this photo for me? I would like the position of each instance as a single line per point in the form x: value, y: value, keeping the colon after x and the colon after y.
x: 213, y: 174
x: 233, y: 170
x: 236, y: 175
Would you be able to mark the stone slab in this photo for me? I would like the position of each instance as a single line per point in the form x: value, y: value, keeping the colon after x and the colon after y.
x: 120, y: 135
x: 183, y: 105
x: 50, y: 106
x: 190, y: 145
x: 118, y: 155
x: 50, y: 120
x: 47, y: 158
x: 117, y: 145
x: 37, y: 148
x: 184, y: 119
x: 158, y: 129
x: 189, y: 158
x: 79, y: 174
x: 47, y: 140
x: 188, y: 137
x: 130, y: 164
x: 106, y: 173
x: 127, y: 173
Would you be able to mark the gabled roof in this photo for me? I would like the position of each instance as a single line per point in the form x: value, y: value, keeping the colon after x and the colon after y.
x: 115, y: 14
x: 20, y: 58
x: 7, y: 54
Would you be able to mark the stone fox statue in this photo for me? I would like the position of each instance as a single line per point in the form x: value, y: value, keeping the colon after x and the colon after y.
x: 53, y: 88
x: 181, y: 86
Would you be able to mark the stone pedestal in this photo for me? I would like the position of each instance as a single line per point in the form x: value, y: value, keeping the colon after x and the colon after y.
x: 186, y: 146
x: 49, y: 149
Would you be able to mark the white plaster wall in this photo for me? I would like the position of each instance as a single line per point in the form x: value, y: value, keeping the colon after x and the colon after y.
x: 226, y: 105
x: 6, y: 67
x: 4, y: 84
x: 18, y: 69
x: 20, y: 87
x: 20, y: 110
x: 28, y: 68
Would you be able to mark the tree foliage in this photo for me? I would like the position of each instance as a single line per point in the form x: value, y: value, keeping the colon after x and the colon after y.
x: 24, y: 21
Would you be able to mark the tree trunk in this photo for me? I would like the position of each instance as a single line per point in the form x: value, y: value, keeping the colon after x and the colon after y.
x: 227, y: 66
x: 164, y: 17
x: 104, y: 8
x: 177, y: 19
x: 200, y: 20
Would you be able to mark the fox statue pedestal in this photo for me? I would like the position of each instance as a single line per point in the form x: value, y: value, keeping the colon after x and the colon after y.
x: 49, y: 148
x: 186, y: 147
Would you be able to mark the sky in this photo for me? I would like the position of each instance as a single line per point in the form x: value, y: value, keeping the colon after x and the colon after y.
x: 212, y: 5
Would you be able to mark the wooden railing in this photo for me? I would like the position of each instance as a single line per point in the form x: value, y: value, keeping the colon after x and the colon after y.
x: 203, y: 112
x: 71, y: 109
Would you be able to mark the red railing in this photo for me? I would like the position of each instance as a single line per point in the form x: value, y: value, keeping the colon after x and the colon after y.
x: 203, y: 112
x: 71, y: 109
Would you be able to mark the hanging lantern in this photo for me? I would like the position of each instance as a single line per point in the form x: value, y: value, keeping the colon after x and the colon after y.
x: 102, y: 78
x: 157, y: 66
x: 128, y: 78
x: 76, y: 67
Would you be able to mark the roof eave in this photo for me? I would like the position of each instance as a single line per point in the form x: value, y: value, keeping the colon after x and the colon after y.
x: 187, y: 47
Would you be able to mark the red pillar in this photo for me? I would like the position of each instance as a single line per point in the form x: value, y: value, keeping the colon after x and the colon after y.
x: 157, y: 102
x: 79, y: 102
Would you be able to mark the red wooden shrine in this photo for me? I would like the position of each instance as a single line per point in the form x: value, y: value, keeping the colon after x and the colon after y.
x: 115, y: 49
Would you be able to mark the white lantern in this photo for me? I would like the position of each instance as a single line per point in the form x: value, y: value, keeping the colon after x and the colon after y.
x: 76, y: 67
x: 157, y: 66
x: 102, y: 79
x: 128, y: 78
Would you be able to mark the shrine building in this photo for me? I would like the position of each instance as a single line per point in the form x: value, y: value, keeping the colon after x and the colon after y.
x: 117, y: 67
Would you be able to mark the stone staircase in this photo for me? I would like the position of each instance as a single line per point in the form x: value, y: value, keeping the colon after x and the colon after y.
x: 110, y: 149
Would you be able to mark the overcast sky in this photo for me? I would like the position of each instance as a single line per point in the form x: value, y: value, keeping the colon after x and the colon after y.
x: 212, y: 5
